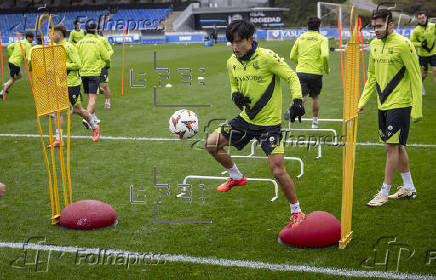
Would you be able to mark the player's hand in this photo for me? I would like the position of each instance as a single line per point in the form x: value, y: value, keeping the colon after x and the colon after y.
x: 296, y: 110
x: 240, y: 100
x: 424, y: 44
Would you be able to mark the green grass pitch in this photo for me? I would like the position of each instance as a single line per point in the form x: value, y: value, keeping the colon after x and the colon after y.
x: 244, y: 224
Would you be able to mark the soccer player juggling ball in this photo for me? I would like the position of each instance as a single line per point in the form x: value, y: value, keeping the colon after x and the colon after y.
x: 394, y: 73
x: 255, y: 75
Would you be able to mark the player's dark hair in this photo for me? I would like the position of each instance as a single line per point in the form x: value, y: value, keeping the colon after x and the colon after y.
x: 76, y: 22
x: 313, y: 23
x: 91, y: 27
x: 38, y: 39
x: 384, y: 14
x: 421, y: 13
x: 61, y: 28
x: 244, y: 28
x: 29, y: 34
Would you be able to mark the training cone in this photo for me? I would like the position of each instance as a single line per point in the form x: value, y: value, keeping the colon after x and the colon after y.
x: 88, y: 214
x: 319, y: 229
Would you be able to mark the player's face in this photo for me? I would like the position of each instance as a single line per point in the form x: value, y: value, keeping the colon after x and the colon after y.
x: 78, y: 26
x: 241, y: 46
x: 57, y: 36
x: 422, y: 19
x: 380, y: 28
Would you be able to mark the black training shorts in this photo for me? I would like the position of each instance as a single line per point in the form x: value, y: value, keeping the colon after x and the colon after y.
x: 91, y: 84
x: 311, y: 84
x: 239, y: 133
x: 424, y: 61
x: 394, y: 125
x: 14, y: 70
x: 74, y: 95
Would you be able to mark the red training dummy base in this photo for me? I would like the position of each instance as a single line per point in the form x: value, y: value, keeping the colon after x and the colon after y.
x: 88, y: 214
x: 319, y: 229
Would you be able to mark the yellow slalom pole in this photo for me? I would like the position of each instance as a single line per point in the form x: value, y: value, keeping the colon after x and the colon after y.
x: 68, y: 159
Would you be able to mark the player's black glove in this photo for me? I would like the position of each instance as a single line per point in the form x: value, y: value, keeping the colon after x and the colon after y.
x: 240, y: 100
x: 295, y: 110
x: 424, y: 44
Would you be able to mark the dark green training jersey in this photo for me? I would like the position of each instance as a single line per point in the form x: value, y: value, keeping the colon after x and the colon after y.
x: 394, y: 73
x: 259, y: 79
x: 311, y: 53
x: 427, y: 33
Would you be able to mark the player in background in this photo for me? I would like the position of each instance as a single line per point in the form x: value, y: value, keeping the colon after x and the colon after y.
x: 77, y: 34
x: 73, y: 66
x: 15, y: 59
x: 311, y: 53
x: 255, y: 75
x: 104, y: 74
x: 94, y: 56
x: 423, y: 38
x: 394, y: 73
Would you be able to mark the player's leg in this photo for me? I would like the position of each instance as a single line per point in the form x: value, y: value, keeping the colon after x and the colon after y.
x: 104, y: 87
x: 75, y: 97
x: 277, y: 167
x: 59, y: 131
x: 315, y: 87
x: 232, y: 133
x: 215, y: 144
x: 408, y: 189
x: 424, y: 68
x: 107, y: 94
x: 2, y: 189
x: 93, y: 85
x: 15, y: 74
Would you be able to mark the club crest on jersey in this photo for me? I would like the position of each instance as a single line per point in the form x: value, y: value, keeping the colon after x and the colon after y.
x: 234, y: 67
x: 256, y: 65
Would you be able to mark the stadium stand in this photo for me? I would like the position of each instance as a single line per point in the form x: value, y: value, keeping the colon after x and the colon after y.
x: 137, y: 19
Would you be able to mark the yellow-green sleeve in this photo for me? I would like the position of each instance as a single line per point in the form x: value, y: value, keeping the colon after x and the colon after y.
x: 11, y: 48
x: 369, y: 85
x: 105, y: 55
x: 294, y: 52
x: 408, y: 55
x: 414, y: 39
x: 71, y: 38
x: 108, y: 47
x: 325, y: 55
x: 278, y: 67
x: 75, y: 63
x: 233, y: 82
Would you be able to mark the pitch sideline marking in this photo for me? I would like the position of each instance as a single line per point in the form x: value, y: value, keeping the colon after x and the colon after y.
x: 220, y: 261
x: 192, y: 139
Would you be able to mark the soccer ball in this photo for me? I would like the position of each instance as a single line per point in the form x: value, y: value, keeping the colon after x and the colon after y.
x: 184, y: 124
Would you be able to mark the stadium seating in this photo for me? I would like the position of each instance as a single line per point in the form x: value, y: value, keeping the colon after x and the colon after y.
x: 139, y: 19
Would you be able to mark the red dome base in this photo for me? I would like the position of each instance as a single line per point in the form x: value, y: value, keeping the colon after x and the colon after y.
x: 319, y: 229
x: 88, y: 214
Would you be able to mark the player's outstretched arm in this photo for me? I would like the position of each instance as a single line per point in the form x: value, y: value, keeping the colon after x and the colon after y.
x: 408, y: 55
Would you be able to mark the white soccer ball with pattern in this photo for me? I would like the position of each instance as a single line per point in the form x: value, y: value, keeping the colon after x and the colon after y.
x: 184, y: 124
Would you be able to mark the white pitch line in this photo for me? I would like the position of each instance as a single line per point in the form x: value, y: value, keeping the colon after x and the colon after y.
x: 191, y: 139
x: 219, y: 261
